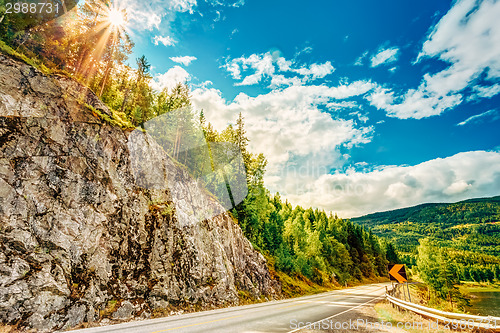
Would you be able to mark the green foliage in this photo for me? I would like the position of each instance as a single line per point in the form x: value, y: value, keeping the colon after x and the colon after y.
x: 435, y: 268
x: 469, y: 231
x: 391, y: 254
x: 308, y: 244
x: 20, y: 56
x: 473, y: 211
x: 439, y: 272
x: 302, y: 242
x: 116, y: 119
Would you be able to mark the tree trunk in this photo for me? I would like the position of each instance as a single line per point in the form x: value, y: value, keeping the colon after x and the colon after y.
x: 106, y: 74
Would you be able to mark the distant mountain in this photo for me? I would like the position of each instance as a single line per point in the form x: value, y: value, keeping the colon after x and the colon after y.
x: 471, y: 225
x: 478, y: 210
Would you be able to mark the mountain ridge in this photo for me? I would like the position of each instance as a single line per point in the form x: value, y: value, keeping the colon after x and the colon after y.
x: 469, y: 229
x: 425, y: 205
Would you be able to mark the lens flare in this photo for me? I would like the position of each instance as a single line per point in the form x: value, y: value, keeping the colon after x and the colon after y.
x: 116, y: 18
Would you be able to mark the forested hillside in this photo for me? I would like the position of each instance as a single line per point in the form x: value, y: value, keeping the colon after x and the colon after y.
x: 301, y: 242
x: 470, y: 211
x: 469, y: 231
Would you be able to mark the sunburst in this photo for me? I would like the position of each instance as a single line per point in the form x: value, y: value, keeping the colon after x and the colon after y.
x: 111, y: 25
x: 117, y: 18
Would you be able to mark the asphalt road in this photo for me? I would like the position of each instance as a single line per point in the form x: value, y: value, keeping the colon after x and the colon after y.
x: 276, y: 316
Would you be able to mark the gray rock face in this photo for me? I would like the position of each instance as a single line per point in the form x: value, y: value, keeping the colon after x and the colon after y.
x: 125, y: 311
x: 78, y: 235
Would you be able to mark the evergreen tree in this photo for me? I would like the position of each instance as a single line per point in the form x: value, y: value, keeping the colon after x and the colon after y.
x: 391, y: 254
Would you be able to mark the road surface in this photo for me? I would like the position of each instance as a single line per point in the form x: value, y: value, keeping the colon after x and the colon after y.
x: 276, y: 316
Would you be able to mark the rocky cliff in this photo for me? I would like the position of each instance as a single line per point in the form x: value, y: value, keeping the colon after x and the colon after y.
x: 80, y: 241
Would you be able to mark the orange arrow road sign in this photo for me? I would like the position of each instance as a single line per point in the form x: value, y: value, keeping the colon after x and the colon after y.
x: 396, y: 271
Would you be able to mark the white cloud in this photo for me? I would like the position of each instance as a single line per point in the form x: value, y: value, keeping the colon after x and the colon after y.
x: 183, y: 5
x: 458, y: 187
x: 385, y: 56
x: 360, y: 60
x: 202, y: 85
x: 284, y: 65
x: 170, y: 79
x: 149, y: 15
x: 143, y: 17
x: 342, y: 105
x: 234, y: 69
x: 152, y: 21
x: 158, y: 14
x: 186, y: 60
x: 282, y: 81
x: 165, y: 40
x: 415, y: 103
x: 468, y: 38
x: 305, y: 50
x: 485, y: 92
x: 289, y: 127
x: 273, y: 66
x: 217, y: 16
x: 494, y: 114
x: 316, y: 71
x: 250, y: 80
x: 261, y: 64
x: 462, y: 176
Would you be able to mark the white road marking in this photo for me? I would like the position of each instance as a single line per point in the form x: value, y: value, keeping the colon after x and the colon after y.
x: 338, y: 314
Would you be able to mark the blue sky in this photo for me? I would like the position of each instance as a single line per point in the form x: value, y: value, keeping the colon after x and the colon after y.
x: 359, y: 106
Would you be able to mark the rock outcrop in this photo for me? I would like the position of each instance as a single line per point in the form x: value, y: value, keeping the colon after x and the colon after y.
x: 80, y: 240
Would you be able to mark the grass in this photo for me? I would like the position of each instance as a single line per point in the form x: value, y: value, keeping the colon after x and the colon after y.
x: 245, y: 298
x: 419, y: 295
x: 299, y: 286
x: 415, y: 323
x: 406, y: 320
x: 470, y: 287
x: 117, y: 118
x: 295, y: 286
x: 20, y: 56
x: 163, y: 209
x: 45, y: 68
x: 111, y: 307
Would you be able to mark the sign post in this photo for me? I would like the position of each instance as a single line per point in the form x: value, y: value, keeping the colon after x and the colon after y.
x: 397, y: 272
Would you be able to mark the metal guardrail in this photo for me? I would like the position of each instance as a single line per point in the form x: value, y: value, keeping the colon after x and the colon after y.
x: 453, y: 320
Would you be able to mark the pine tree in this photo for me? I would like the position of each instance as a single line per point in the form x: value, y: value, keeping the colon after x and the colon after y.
x: 391, y: 254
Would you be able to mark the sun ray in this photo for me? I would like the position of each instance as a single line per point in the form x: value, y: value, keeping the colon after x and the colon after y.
x: 111, y: 24
x: 116, y: 18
